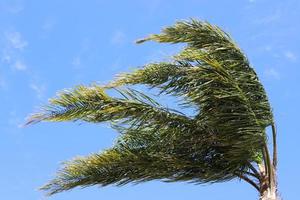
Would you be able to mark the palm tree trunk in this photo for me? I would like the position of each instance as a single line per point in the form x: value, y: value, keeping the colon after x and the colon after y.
x: 268, y: 187
x: 269, y: 194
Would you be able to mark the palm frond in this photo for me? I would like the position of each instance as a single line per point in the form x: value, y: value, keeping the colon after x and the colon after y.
x: 147, y: 154
x: 208, y: 42
x: 91, y: 104
x: 220, y: 143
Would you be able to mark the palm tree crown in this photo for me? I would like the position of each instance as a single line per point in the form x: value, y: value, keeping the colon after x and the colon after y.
x: 225, y: 139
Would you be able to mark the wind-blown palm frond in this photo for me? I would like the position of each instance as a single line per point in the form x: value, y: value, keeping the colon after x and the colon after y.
x: 224, y: 140
x: 209, y: 44
x: 146, y: 154
x: 91, y: 104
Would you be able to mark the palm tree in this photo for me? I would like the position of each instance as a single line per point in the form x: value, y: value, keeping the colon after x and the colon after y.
x: 224, y: 139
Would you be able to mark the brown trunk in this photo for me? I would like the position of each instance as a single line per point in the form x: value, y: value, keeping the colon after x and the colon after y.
x: 268, y: 190
x: 269, y: 194
x: 267, y: 169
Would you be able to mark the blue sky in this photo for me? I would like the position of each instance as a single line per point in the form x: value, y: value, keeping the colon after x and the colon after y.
x: 46, y: 46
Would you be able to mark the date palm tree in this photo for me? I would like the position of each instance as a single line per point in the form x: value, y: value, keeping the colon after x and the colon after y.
x: 224, y: 139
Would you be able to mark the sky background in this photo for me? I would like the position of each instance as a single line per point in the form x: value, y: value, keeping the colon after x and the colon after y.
x: 46, y: 46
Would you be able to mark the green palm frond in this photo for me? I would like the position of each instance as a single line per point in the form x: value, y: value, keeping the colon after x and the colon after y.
x: 92, y: 104
x: 224, y: 140
x: 208, y: 44
x: 115, y: 167
x: 148, y: 154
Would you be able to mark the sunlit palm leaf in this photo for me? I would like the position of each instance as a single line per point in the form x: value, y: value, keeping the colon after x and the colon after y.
x: 221, y: 141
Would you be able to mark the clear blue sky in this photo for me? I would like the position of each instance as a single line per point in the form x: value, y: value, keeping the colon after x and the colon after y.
x: 46, y: 46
